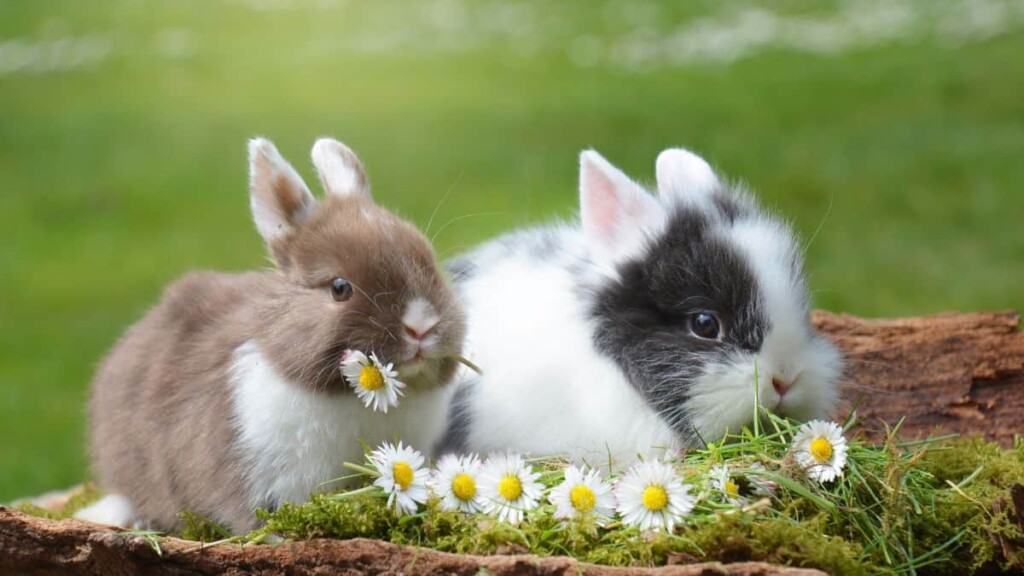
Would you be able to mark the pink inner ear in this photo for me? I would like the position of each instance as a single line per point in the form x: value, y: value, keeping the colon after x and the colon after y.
x: 614, y: 211
x: 601, y: 207
x: 605, y: 207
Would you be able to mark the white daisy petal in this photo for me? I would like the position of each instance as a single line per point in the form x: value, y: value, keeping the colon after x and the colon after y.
x: 820, y: 449
x: 457, y: 482
x: 583, y: 493
x: 402, y: 476
x: 726, y: 487
x: 375, y: 383
x: 651, y: 496
x: 509, y: 487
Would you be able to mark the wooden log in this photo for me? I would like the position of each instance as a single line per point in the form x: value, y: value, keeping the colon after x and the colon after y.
x: 31, y: 546
x: 957, y: 373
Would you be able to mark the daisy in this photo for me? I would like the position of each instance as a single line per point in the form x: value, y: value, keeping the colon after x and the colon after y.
x: 376, y: 385
x: 725, y: 485
x: 402, y: 476
x: 456, y: 482
x: 509, y: 487
x: 652, y: 496
x: 820, y: 448
x: 583, y: 493
x: 759, y: 485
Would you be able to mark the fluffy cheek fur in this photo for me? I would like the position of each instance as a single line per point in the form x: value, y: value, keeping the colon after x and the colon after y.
x: 814, y: 393
x: 722, y: 399
x: 306, y: 333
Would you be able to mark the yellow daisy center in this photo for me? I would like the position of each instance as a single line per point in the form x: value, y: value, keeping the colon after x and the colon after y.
x: 371, y: 379
x: 510, y: 488
x: 403, y: 475
x: 582, y: 498
x: 732, y: 489
x: 821, y: 449
x: 464, y: 486
x: 655, y: 498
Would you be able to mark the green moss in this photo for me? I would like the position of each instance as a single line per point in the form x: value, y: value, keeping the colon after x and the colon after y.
x: 324, y: 517
x: 201, y: 529
x: 29, y: 508
x: 980, y: 507
x: 80, y: 499
x: 779, y: 540
x: 732, y: 538
x: 89, y: 494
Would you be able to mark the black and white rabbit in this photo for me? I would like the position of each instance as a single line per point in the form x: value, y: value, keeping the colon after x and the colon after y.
x: 641, y: 327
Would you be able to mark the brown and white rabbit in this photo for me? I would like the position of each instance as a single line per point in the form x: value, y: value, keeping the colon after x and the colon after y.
x: 227, y: 396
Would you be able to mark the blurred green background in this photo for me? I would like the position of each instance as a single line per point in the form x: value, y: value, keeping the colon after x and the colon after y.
x: 894, y: 129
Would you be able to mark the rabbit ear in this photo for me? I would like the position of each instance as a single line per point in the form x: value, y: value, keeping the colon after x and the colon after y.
x: 617, y: 214
x: 340, y: 170
x: 279, y: 198
x: 684, y: 175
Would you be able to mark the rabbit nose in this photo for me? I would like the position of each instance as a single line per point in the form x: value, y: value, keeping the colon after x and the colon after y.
x: 418, y: 332
x: 780, y: 385
x: 419, y: 319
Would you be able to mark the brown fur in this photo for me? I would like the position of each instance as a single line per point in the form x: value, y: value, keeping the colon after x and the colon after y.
x: 161, y: 432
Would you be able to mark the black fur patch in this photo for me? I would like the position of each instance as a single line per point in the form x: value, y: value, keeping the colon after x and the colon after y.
x: 642, y: 319
x: 728, y: 207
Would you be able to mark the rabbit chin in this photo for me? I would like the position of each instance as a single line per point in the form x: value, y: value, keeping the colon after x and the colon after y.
x: 426, y: 372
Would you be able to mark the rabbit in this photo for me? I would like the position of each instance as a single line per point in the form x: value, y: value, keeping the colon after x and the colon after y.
x: 640, y: 328
x: 228, y: 395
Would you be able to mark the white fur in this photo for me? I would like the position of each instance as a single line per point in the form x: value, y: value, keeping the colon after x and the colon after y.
x: 267, y: 168
x: 293, y: 439
x: 111, y: 510
x: 545, y: 388
x: 339, y: 168
x: 420, y: 315
x: 683, y: 175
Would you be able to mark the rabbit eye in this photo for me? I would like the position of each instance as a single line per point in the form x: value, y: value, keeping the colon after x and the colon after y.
x: 705, y: 325
x: 341, y: 289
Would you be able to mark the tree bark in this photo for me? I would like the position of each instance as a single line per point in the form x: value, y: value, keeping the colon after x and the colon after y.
x: 959, y: 373
x: 31, y: 546
x: 950, y: 373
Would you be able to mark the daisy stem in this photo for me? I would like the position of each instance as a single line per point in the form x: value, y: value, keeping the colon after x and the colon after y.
x: 357, y: 492
x: 258, y: 536
x: 971, y: 477
x: 468, y: 364
x: 361, y: 469
x: 340, y: 479
x: 760, y: 505
x: 757, y: 401
x: 795, y: 487
x: 204, y: 545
